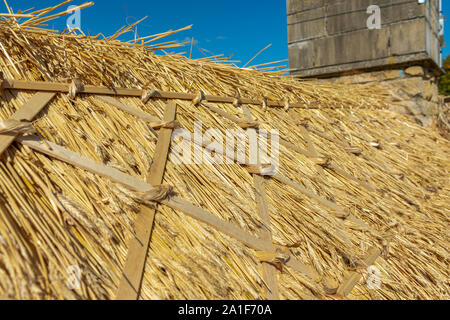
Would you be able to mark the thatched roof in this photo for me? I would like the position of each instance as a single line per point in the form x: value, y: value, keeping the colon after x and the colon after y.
x: 380, y: 195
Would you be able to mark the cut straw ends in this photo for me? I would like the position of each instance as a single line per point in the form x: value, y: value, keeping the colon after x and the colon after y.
x: 323, y: 161
x: 265, y: 169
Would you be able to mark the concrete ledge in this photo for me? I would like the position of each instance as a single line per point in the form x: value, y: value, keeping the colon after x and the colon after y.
x: 420, y: 58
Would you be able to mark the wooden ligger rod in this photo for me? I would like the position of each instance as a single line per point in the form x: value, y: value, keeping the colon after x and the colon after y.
x: 134, y: 92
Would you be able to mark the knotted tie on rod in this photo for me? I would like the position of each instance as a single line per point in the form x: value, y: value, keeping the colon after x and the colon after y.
x: 199, y: 98
x: 237, y: 100
x: 248, y: 124
x: 75, y: 87
x: 21, y: 127
x: 148, y: 94
x: 156, y: 194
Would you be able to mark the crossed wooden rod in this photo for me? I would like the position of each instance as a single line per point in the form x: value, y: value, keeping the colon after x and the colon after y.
x: 132, y: 275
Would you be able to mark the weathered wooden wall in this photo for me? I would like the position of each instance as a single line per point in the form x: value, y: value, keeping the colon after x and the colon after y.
x: 331, y: 36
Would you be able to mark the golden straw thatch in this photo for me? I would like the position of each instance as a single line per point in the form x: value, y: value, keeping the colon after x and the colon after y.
x: 387, y: 174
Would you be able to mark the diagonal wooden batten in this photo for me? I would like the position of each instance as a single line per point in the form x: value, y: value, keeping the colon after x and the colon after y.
x: 126, y: 108
x: 331, y: 205
x: 312, y: 150
x: 343, y: 143
x: 133, y: 272
x: 221, y: 225
x: 77, y: 160
x: 176, y: 203
x: 312, y: 153
x: 309, y: 142
x: 222, y: 113
x: 362, y: 183
x: 268, y: 271
x: 338, y: 170
x: 353, y: 277
x: 136, y: 184
x: 27, y: 112
x: 235, y: 119
x: 278, y: 177
x: 309, y: 153
x: 131, y: 110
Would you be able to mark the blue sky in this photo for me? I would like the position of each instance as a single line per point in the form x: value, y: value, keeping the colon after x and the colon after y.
x: 239, y: 27
x: 446, y: 10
